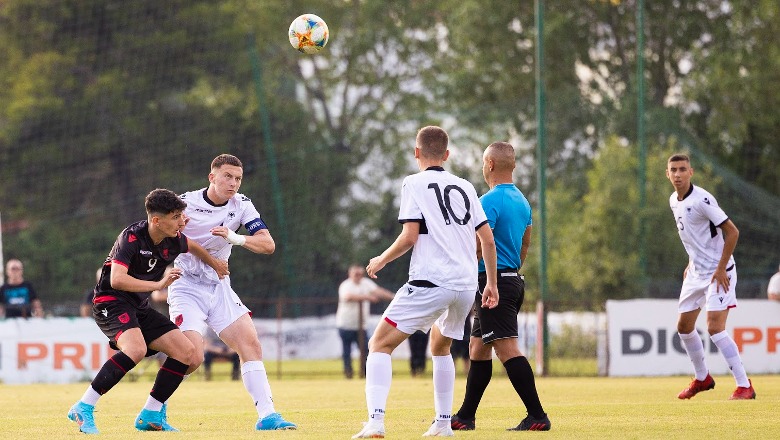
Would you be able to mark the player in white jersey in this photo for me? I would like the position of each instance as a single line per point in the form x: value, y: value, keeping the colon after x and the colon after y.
x: 200, y: 298
x: 709, y: 280
x: 442, y: 218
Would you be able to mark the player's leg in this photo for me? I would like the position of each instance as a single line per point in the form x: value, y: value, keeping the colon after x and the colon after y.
x: 163, y: 336
x: 379, y: 374
x: 521, y: 375
x: 241, y: 337
x: 448, y: 326
x: 692, y: 298
x: 347, y: 339
x: 117, y: 320
x: 718, y: 305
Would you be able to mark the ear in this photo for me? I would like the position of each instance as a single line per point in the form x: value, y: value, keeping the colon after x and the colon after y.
x: 211, y: 177
x: 446, y: 155
x: 416, y: 153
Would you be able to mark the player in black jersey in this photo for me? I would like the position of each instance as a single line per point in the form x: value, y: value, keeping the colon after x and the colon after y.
x: 136, y: 266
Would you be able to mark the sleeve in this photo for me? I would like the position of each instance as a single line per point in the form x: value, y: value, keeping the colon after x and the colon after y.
x: 480, y: 217
x: 125, y: 247
x: 342, y: 290
x: 251, y: 218
x: 33, y: 294
x: 710, y: 209
x: 184, y: 243
x: 409, y: 210
x: 491, y: 212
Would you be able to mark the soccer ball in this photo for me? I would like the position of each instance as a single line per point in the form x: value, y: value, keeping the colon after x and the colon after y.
x: 308, y: 33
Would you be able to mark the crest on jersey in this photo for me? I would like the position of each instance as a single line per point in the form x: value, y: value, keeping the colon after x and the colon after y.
x: 231, y: 214
x: 124, y: 318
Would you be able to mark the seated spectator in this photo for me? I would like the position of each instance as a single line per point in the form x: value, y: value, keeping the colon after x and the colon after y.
x: 216, y: 349
x: 17, y: 296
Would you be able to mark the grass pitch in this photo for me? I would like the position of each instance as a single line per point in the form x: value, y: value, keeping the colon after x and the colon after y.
x: 334, y: 407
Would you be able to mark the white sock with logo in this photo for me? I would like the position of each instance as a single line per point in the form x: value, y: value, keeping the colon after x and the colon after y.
x: 379, y: 375
x: 256, y: 383
x: 728, y: 348
x: 443, y: 387
x: 695, y: 349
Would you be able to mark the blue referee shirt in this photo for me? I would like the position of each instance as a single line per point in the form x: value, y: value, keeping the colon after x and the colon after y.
x: 508, y: 213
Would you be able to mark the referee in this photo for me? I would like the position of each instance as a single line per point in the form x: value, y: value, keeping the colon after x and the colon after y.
x: 509, y: 215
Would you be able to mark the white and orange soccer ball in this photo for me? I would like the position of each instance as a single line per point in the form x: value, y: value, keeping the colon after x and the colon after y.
x: 309, y: 33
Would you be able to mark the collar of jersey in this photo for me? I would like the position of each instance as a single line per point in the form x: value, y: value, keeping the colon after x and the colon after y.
x: 435, y: 168
x: 690, y: 190
x: 209, y: 201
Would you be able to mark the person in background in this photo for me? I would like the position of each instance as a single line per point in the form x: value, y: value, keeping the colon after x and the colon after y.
x: 773, y: 289
x: 418, y: 352
x: 355, y: 293
x: 709, y: 280
x: 17, y: 296
x: 85, y: 310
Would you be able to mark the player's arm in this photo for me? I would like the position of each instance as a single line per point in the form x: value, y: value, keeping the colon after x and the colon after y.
x: 121, y: 280
x: 261, y: 242
x: 219, y: 266
x: 730, y: 236
x: 524, y: 246
x: 380, y: 293
x: 405, y: 241
x: 488, y: 245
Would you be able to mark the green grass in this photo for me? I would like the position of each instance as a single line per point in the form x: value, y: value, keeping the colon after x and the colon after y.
x: 333, y: 408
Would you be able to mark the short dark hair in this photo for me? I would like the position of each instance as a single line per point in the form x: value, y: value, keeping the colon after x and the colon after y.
x: 163, y: 201
x: 226, y: 159
x: 503, y: 155
x: 432, y: 142
x: 678, y: 157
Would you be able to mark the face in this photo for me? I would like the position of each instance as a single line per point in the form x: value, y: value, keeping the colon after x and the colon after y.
x: 355, y: 274
x: 14, y: 269
x: 170, y: 224
x: 226, y: 180
x: 679, y: 173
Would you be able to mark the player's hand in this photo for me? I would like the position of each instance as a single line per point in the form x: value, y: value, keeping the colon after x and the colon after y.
x: 490, y: 297
x: 374, y: 265
x: 722, y: 279
x: 169, y: 277
x: 219, y: 231
x: 221, y: 268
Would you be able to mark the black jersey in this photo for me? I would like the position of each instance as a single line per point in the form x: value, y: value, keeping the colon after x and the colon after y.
x: 143, y: 259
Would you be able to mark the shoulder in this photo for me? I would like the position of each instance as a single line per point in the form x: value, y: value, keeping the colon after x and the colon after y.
x: 192, y: 196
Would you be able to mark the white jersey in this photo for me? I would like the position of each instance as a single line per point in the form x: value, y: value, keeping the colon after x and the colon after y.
x: 204, y: 215
x: 698, y: 217
x: 449, y: 213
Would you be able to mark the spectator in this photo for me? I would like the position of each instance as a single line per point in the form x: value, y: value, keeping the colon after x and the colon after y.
x: 418, y: 352
x: 773, y: 289
x: 19, y: 299
x: 215, y: 348
x: 85, y: 311
x: 354, y: 295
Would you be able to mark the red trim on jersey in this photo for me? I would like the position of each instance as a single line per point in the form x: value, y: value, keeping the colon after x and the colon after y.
x: 102, y: 299
x: 731, y: 307
x: 121, y: 263
x: 117, y: 339
x: 389, y: 321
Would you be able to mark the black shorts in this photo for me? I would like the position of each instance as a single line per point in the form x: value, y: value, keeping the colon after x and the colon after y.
x: 500, y: 322
x: 117, y: 316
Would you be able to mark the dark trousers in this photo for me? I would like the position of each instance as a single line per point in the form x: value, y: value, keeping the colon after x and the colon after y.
x: 418, y: 346
x: 349, y: 337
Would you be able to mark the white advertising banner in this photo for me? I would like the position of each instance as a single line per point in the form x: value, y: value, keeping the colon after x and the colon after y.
x: 51, y: 350
x: 643, y: 339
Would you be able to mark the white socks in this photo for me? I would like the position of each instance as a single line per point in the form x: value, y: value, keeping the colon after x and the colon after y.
x: 153, y: 404
x: 379, y: 375
x: 256, y: 383
x: 695, y: 348
x: 90, y: 396
x: 728, y: 348
x: 443, y: 386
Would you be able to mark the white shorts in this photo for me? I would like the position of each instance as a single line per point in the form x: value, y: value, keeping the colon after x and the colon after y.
x: 418, y: 308
x: 700, y: 292
x: 193, y: 305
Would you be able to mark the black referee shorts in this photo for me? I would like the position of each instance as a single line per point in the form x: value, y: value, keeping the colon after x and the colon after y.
x: 117, y: 316
x: 501, y: 321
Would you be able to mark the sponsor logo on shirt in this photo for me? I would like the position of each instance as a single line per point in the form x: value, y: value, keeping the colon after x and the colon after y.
x: 207, y: 211
x: 146, y: 253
